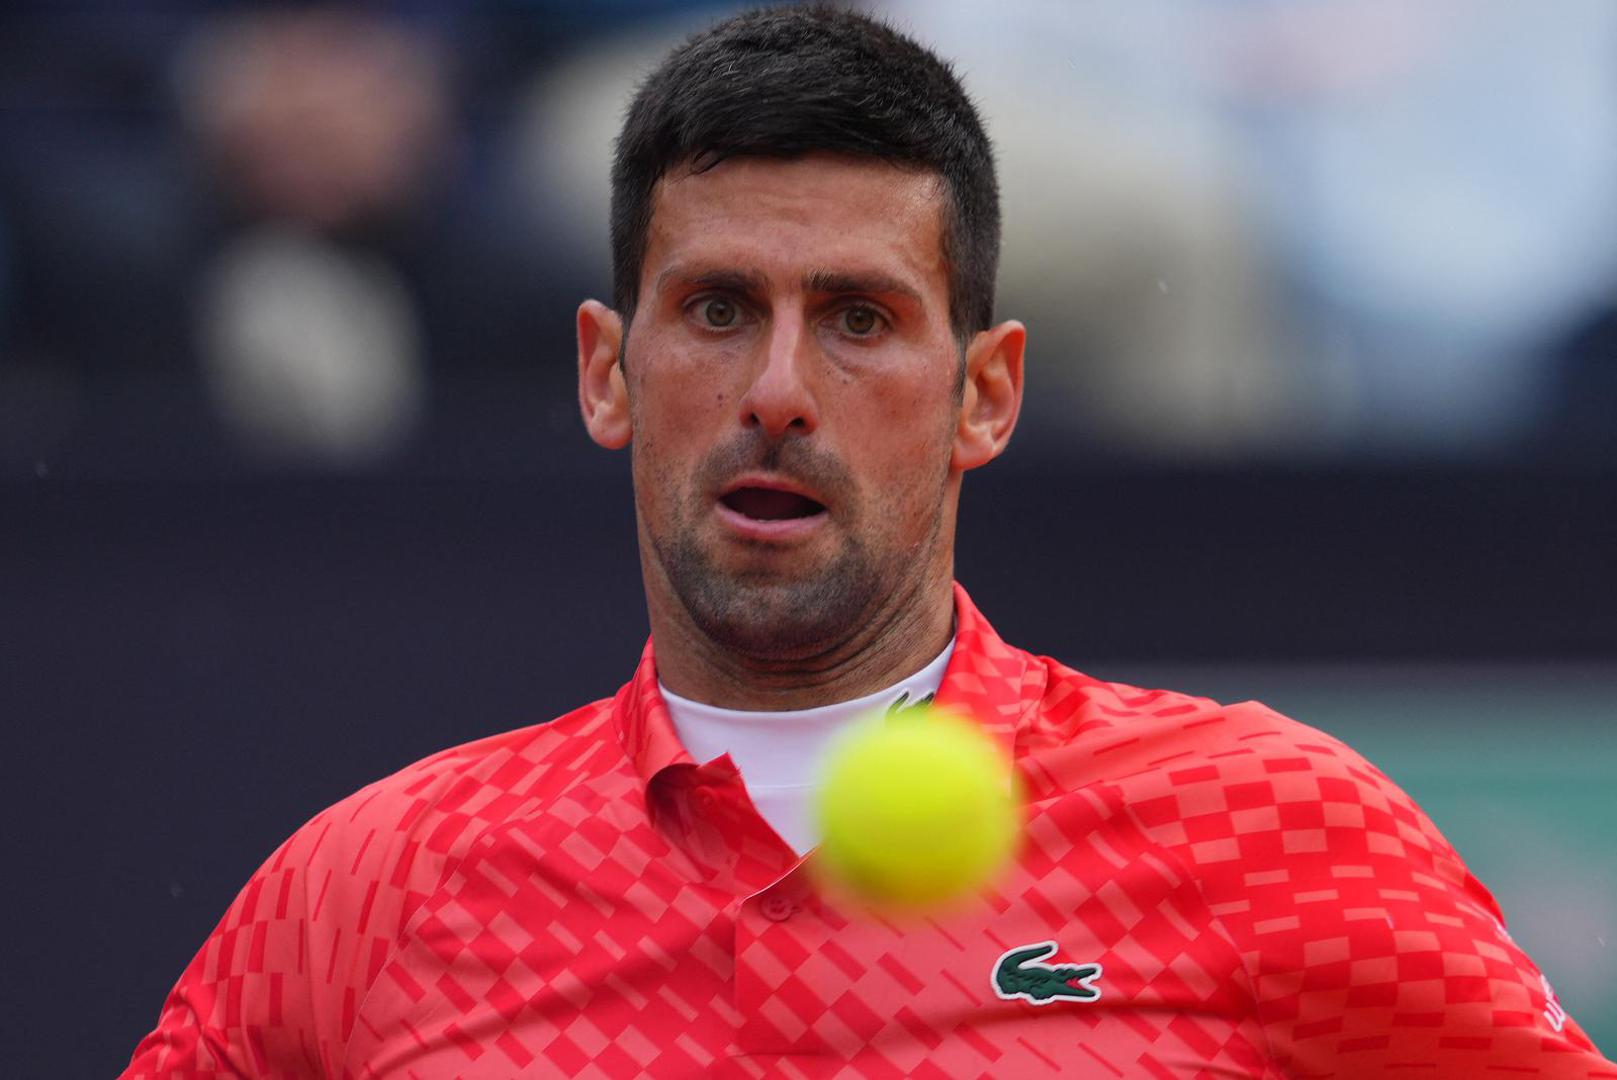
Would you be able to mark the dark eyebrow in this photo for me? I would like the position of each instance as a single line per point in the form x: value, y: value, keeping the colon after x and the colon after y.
x: 876, y: 284
x: 741, y: 282
x: 753, y: 283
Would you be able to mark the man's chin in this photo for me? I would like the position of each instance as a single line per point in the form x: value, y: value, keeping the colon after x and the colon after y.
x: 780, y: 620
x: 775, y: 605
x: 774, y: 616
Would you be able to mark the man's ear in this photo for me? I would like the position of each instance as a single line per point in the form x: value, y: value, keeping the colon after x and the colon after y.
x: 992, y: 397
x: 603, y: 396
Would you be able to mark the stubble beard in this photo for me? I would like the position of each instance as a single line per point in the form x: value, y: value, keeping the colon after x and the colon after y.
x: 766, y: 616
x: 782, y: 616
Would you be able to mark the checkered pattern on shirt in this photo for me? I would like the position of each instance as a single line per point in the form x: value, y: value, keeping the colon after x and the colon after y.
x: 583, y: 899
x: 1372, y: 950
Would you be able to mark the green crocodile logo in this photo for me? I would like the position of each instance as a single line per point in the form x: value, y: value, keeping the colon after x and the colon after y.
x: 904, y: 703
x: 1020, y: 975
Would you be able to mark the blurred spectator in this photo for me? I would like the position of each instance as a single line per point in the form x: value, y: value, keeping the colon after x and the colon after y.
x: 326, y: 117
x: 322, y: 128
x: 249, y: 233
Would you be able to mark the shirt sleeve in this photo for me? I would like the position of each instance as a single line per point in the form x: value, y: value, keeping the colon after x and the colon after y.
x: 1372, y: 950
x: 275, y: 989
x: 251, y: 1001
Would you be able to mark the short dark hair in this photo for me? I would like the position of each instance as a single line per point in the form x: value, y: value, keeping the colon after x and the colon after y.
x: 785, y: 82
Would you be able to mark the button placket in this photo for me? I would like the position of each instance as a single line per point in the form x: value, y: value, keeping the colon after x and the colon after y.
x: 774, y: 928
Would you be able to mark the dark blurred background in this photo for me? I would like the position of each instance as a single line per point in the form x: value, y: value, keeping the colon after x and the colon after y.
x: 1323, y: 410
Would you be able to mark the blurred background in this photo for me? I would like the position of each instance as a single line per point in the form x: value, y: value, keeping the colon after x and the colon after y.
x: 1322, y: 301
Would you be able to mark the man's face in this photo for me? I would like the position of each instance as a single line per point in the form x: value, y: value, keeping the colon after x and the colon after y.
x: 793, y: 392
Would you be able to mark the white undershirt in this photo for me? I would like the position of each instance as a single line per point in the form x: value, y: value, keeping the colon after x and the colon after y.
x: 779, y: 753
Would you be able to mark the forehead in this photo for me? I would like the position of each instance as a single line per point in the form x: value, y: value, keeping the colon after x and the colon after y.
x: 781, y: 218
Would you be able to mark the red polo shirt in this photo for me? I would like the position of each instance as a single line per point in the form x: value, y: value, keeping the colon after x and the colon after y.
x: 581, y: 898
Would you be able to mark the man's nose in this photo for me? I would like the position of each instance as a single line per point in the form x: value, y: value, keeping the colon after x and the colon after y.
x: 781, y: 398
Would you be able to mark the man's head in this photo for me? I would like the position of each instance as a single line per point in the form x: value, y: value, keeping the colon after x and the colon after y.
x: 805, y: 231
x: 786, y: 82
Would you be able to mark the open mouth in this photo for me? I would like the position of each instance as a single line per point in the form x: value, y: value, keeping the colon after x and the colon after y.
x: 768, y: 504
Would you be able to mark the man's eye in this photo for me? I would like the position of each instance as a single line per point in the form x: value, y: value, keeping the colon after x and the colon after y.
x: 718, y: 312
x: 860, y: 321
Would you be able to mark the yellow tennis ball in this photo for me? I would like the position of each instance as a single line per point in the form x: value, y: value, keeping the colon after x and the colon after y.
x: 916, y: 809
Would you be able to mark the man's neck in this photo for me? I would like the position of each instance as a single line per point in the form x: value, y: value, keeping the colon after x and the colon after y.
x: 899, y: 640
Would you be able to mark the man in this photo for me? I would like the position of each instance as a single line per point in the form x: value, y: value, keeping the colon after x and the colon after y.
x: 802, y: 358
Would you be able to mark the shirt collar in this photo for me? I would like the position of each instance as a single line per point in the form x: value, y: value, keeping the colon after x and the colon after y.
x: 987, y: 680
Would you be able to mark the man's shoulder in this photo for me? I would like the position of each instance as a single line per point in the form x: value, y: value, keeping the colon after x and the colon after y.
x: 518, y: 762
x: 414, y: 822
x: 1127, y: 733
x: 1194, y: 770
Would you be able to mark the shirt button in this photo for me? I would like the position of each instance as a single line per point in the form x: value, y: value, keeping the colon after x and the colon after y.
x: 777, y: 908
x: 706, y: 800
